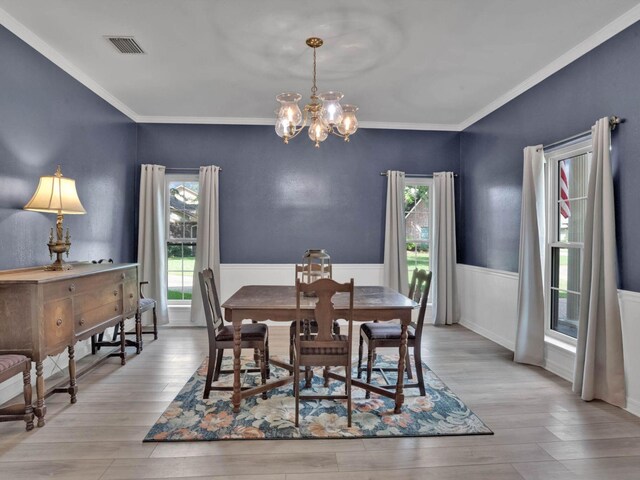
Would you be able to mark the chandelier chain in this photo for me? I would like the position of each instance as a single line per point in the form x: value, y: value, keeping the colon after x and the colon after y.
x: 314, y: 89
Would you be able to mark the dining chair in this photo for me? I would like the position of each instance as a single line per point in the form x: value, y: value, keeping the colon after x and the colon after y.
x: 144, y: 305
x: 385, y: 334
x: 10, y: 366
x: 309, y: 326
x: 253, y: 335
x: 325, y: 348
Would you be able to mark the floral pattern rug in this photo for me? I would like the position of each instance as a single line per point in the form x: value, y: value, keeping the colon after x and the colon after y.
x: 189, y: 417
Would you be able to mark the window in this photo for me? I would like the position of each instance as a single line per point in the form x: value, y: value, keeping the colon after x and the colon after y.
x: 182, y: 230
x: 417, y: 214
x: 568, y: 179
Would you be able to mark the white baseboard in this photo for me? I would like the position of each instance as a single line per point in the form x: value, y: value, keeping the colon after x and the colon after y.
x: 488, y: 304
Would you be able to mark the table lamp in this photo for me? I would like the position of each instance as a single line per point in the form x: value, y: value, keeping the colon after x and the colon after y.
x: 56, y: 194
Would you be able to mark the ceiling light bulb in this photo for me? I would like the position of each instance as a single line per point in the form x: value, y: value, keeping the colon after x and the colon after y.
x: 331, y: 108
x: 349, y: 123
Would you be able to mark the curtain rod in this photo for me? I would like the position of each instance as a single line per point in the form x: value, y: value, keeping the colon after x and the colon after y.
x: 177, y: 169
x: 416, y: 175
x: 613, y: 123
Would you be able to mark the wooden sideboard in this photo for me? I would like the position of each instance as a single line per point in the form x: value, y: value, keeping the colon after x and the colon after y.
x: 43, y: 313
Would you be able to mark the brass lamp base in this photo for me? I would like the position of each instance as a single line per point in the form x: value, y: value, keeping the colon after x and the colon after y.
x: 59, y: 247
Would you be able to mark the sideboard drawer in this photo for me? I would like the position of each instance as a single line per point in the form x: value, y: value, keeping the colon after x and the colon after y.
x: 102, y: 295
x: 97, y: 316
x: 58, y: 322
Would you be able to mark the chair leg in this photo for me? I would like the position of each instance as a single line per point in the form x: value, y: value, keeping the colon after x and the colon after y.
x: 308, y: 377
x: 216, y: 375
x: 93, y: 345
x: 138, y: 320
x: 417, y: 355
x: 360, y: 356
x: 263, y: 371
x: 370, y: 354
x: 326, y: 376
x: 155, y: 324
x: 296, y: 392
x: 266, y: 358
x: 348, y: 389
x: 211, y: 365
x: 116, y: 332
x: 408, y: 366
x: 291, y: 340
x: 28, y: 400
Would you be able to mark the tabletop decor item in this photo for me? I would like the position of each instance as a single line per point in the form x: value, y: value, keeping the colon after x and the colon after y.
x: 316, y: 264
x: 57, y: 194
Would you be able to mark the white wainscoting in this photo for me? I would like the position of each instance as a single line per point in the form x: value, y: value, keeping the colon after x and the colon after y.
x: 488, y: 305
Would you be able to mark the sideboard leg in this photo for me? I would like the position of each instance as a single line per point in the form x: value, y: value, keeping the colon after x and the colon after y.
x: 41, y: 408
x: 73, y: 386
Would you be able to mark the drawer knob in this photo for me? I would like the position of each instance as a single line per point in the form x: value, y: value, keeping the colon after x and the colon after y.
x: 123, y: 276
x: 115, y: 309
x: 72, y: 288
x: 115, y: 293
x: 131, y: 295
x: 59, y: 322
x: 82, y: 321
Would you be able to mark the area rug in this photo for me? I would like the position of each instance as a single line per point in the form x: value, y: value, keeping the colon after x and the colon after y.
x: 189, y: 417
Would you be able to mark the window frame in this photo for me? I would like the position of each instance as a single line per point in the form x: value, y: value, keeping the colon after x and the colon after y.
x: 170, y: 178
x: 553, y: 158
x: 423, y: 182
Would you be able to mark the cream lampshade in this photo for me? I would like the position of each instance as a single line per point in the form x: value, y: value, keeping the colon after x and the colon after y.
x: 56, y: 194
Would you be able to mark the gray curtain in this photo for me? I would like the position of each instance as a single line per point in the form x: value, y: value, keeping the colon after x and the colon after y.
x: 395, y: 247
x: 599, y: 369
x: 530, y: 334
x: 443, y: 257
x: 152, y: 238
x: 208, y: 238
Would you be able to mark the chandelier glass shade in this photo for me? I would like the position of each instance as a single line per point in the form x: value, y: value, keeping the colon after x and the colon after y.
x: 323, y: 115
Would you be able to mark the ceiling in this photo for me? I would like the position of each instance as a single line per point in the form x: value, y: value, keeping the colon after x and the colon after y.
x: 422, y: 64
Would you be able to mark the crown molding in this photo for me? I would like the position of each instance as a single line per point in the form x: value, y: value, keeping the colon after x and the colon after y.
x: 270, y: 121
x: 602, y: 35
x: 42, y: 47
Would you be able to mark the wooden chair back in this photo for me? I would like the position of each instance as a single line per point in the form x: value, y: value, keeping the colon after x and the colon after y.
x: 324, y: 289
x: 212, y: 311
x: 421, y: 285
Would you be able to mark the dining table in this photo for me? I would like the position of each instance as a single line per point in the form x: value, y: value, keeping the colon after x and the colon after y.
x: 277, y: 303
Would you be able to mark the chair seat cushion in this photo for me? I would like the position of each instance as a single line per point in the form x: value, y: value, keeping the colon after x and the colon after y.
x: 250, y: 331
x: 385, y: 331
x: 341, y: 348
x: 9, y: 361
x: 146, y: 304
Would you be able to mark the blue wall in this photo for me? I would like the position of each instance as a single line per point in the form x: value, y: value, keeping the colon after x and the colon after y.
x: 605, y: 81
x: 278, y: 200
x: 48, y: 118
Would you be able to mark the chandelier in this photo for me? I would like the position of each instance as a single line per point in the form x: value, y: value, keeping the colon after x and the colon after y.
x: 323, y: 114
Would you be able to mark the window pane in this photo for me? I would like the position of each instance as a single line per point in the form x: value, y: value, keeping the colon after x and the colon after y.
x: 574, y: 173
x: 183, y: 230
x: 571, y: 215
x: 417, y: 213
x: 565, y: 308
x: 565, y: 268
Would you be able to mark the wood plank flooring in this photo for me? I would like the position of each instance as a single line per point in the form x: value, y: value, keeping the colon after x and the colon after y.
x: 542, y: 430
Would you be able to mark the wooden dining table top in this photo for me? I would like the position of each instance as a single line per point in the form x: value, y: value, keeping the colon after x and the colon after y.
x: 283, y: 297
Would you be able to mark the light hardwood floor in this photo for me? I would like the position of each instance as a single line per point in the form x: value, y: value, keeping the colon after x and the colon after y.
x: 542, y: 431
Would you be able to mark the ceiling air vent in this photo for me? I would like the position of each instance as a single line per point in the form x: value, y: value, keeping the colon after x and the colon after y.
x: 125, y: 44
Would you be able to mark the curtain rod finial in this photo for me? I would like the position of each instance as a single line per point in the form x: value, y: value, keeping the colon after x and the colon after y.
x: 614, y: 121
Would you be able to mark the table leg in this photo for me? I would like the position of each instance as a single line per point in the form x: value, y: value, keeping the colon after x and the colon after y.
x: 401, y: 364
x: 73, y: 387
x: 237, y: 331
x: 41, y: 408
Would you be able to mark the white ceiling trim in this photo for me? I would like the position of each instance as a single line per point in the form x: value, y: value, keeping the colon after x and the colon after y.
x: 271, y: 121
x: 58, y: 59
x: 602, y: 35
x: 31, y: 39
